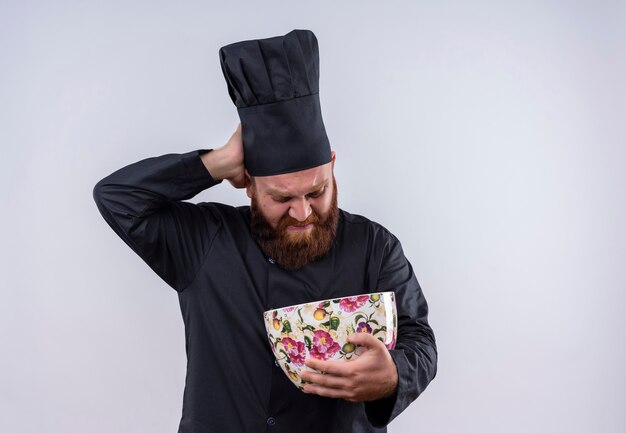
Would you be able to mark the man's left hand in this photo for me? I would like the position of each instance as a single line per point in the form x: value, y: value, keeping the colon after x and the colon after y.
x: 371, y: 376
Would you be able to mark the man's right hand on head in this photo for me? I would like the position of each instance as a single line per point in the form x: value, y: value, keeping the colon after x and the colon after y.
x: 226, y: 162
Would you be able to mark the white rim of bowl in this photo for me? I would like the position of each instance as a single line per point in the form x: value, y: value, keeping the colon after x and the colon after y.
x: 327, y: 300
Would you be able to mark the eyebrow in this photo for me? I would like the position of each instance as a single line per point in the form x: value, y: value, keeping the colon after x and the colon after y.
x: 285, y: 194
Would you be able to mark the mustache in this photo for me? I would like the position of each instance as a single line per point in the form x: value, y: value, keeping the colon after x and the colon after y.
x: 287, y: 221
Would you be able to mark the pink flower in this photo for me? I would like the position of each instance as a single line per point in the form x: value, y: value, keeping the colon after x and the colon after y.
x: 353, y: 303
x: 324, y: 347
x: 295, y: 350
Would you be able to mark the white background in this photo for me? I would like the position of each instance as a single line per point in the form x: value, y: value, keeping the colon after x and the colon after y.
x: 488, y: 136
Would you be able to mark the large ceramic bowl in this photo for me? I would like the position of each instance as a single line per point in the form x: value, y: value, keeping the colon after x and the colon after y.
x: 321, y: 329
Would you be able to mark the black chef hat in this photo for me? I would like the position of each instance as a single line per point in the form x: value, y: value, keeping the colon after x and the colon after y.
x: 274, y: 84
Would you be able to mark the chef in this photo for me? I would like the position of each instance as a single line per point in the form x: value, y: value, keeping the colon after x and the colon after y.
x: 291, y: 245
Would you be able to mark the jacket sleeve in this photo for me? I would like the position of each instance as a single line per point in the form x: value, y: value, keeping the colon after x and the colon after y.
x: 415, y: 353
x: 143, y: 204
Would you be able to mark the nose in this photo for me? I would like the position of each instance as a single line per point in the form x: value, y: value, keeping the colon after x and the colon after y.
x: 300, y: 209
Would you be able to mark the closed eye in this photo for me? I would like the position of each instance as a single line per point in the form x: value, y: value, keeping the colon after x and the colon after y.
x: 317, y: 193
x: 286, y: 198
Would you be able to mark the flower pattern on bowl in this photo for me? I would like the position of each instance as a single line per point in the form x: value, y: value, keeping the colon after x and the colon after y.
x: 321, y: 329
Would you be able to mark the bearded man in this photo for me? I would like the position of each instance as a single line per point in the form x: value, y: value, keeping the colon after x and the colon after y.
x: 292, y: 245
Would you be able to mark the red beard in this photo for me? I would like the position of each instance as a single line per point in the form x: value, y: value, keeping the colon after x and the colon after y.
x: 291, y: 251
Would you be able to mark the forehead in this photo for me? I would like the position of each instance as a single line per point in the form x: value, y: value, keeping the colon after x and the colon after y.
x: 296, y: 183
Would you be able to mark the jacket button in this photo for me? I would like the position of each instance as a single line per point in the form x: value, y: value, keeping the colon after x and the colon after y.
x: 276, y: 363
x: 271, y: 260
x: 271, y: 421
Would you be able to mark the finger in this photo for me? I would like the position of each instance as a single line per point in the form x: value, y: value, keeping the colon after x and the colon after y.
x: 325, y: 380
x: 366, y: 340
x: 320, y: 390
x: 325, y: 391
x: 327, y: 367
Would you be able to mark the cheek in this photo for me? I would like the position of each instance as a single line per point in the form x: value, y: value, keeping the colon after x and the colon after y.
x: 273, y: 213
x: 322, y: 206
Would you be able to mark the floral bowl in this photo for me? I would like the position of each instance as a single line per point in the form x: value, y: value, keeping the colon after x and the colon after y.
x: 320, y: 329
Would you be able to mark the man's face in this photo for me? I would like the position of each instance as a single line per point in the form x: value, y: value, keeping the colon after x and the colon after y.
x: 294, y: 215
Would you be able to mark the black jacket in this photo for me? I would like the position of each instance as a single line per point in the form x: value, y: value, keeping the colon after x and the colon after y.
x: 224, y: 282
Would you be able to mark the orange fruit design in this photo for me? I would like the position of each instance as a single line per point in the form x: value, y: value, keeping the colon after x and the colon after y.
x: 319, y: 314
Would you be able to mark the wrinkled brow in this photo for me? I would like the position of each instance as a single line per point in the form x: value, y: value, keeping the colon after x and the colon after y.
x: 277, y: 192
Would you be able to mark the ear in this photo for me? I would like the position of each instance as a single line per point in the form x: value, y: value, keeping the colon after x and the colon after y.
x: 332, y: 158
x: 249, y: 184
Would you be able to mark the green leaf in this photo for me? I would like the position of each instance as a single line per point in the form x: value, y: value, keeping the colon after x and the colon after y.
x: 374, y: 321
x: 359, y: 317
x: 308, y: 343
x: 383, y: 329
x: 300, y: 316
x: 326, y: 324
x: 286, y: 327
x: 334, y: 322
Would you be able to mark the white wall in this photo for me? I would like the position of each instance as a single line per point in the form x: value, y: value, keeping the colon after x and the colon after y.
x: 489, y: 136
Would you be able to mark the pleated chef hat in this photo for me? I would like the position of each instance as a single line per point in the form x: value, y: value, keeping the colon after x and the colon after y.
x: 274, y: 84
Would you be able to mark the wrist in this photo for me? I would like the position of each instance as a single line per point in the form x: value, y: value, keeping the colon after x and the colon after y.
x: 219, y: 164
